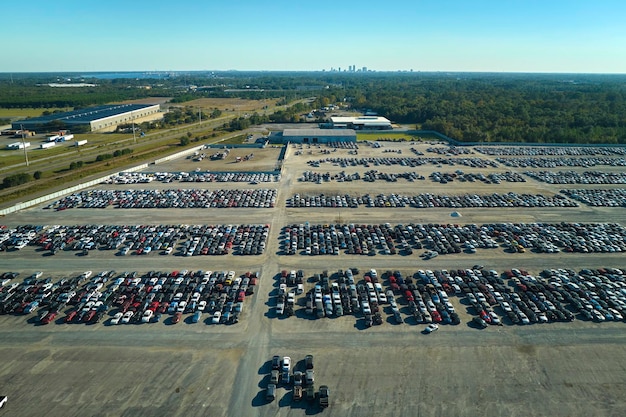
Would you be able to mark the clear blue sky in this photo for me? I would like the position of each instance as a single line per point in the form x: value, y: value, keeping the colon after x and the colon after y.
x: 434, y: 35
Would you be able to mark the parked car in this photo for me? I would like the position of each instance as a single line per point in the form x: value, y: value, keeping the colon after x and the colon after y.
x: 270, y: 393
x: 274, y: 376
x: 276, y: 362
x: 297, y: 378
x: 126, y: 317
x: 324, y: 396
x: 286, y: 363
x: 216, y: 317
x: 432, y: 327
x: 297, y: 392
x: 117, y: 317
x: 309, y: 377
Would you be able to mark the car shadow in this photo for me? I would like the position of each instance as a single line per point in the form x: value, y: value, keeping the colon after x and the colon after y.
x: 266, y: 368
x: 264, y: 382
x: 301, y: 314
x: 259, y: 399
x: 286, y: 400
x: 360, y: 324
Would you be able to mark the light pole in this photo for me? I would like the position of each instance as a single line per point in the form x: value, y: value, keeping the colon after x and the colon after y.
x: 24, y: 145
x: 134, y: 135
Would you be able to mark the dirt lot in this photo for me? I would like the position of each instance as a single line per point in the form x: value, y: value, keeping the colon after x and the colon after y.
x: 230, y: 104
x: 561, y: 369
x: 262, y: 160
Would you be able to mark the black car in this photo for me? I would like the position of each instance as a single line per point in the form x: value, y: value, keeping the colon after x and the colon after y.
x: 276, y: 362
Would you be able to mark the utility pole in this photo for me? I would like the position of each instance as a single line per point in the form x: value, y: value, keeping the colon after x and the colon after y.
x: 134, y: 135
x: 24, y: 145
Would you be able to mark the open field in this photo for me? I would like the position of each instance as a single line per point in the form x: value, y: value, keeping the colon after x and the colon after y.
x: 556, y: 369
x: 20, y: 113
x: 229, y: 104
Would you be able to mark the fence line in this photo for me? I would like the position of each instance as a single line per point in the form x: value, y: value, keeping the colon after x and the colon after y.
x: 66, y: 191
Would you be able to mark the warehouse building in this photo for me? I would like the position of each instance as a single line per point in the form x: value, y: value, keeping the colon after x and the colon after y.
x: 360, y: 123
x: 91, y: 118
x: 312, y: 136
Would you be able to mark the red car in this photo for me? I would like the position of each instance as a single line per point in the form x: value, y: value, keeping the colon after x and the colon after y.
x: 241, y: 296
x: 87, y: 317
x: 48, y: 317
x: 436, y: 316
x: 177, y: 317
x: 70, y: 316
x: 483, y: 315
x: 409, y: 295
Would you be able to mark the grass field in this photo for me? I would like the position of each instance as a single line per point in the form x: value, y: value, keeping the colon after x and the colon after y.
x: 8, y: 113
x: 229, y: 104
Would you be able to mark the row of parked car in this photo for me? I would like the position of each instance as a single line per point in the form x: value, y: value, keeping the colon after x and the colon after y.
x: 491, y: 178
x: 551, y: 150
x: 403, y: 161
x: 170, y: 198
x: 554, y: 295
x: 573, y: 177
x: 428, y: 200
x: 547, y: 162
x: 342, y: 293
x: 369, y: 176
x: 197, y: 176
x: 187, y: 240
x: 449, y: 150
x: 599, y: 198
x: 513, y: 297
x: 302, y: 380
x: 370, y: 239
x: 136, y: 299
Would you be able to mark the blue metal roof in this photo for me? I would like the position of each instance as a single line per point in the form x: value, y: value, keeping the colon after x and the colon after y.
x: 88, y: 114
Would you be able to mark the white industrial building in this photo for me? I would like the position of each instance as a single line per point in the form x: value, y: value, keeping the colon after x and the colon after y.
x: 361, y: 123
x: 312, y: 136
x: 97, y: 118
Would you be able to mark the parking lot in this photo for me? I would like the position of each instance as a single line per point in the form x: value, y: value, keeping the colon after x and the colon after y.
x: 552, y: 367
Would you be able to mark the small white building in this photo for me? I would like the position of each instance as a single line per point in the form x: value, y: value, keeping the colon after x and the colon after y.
x: 361, y: 123
x: 313, y: 136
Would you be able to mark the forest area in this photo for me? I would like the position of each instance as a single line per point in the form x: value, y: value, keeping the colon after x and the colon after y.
x: 529, y: 108
x: 470, y: 107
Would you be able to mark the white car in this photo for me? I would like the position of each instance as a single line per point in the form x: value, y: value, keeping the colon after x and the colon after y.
x: 147, y: 315
x: 126, y: 317
x: 216, y: 317
x: 202, y: 305
x: 116, y: 319
x: 431, y: 328
x: 286, y: 364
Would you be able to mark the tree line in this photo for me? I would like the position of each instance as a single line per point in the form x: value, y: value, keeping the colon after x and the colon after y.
x: 535, y: 108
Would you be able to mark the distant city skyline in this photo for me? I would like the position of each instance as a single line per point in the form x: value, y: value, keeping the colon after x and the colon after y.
x: 558, y: 36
